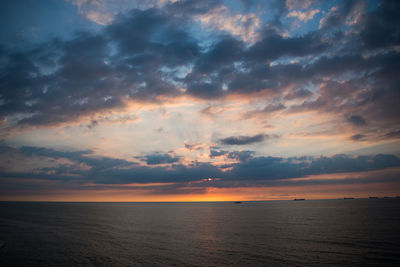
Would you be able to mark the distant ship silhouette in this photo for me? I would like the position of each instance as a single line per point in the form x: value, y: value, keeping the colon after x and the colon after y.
x: 299, y: 199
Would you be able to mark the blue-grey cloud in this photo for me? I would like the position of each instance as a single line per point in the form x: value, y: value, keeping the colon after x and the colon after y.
x: 159, y: 158
x: 338, y: 15
x: 242, y: 155
x: 274, y: 46
x: 248, y: 169
x: 393, y: 134
x: 381, y: 26
x: 357, y: 120
x: 243, y: 140
x: 357, y: 137
x: 217, y: 153
x: 300, y: 93
x: 135, y: 59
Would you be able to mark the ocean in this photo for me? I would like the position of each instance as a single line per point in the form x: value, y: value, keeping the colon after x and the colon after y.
x: 359, y: 232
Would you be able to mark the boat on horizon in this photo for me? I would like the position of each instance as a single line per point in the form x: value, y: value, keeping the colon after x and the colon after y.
x: 238, y: 202
x: 348, y: 198
x: 299, y: 199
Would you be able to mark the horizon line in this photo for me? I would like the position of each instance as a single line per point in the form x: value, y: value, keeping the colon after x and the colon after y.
x: 222, y: 201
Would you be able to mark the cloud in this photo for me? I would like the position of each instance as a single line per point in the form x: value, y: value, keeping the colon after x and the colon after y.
x: 279, y: 168
x: 272, y: 45
x: 298, y: 94
x: 156, y: 159
x: 243, y: 140
x: 97, y: 11
x: 223, y: 19
x: 87, y: 79
x: 357, y: 137
x: 242, y: 155
x: 393, y: 134
x: 380, y: 28
x: 292, y: 4
x: 3, y: 121
x: 268, y: 109
x: 373, y: 102
x: 212, y: 111
x: 103, y: 12
x: 273, y: 108
x: 96, y: 163
x: 193, y: 146
x: 337, y: 15
x: 249, y: 169
x: 239, y: 61
x: 303, y: 16
x: 217, y: 153
x: 359, y: 178
x: 357, y: 120
x: 148, y: 56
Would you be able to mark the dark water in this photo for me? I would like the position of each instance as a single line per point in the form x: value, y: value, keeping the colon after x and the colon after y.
x: 281, y: 233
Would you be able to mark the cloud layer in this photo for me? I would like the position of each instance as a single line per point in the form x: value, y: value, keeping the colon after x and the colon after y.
x: 181, y: 91
x: 150, y: 56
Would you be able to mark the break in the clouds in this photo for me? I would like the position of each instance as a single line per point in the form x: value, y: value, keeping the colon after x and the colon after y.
x: 84, y: 87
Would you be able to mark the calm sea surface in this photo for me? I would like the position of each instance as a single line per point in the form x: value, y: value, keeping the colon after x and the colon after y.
x: 279, y: 233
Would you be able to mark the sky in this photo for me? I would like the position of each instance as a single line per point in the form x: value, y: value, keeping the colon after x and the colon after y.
x: 178, y: 100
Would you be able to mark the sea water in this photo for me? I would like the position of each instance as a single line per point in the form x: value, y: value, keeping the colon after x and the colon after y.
x: 359, y: 232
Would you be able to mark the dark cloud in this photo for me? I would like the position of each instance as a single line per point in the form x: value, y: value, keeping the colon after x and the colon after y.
x: 372, y: 95
x: 357, y: 120
x: 86, y: 65
x: 352, y: 70
x: 338, y: 14
x: 380, y: 28
x: 382, y: 176
x: 393, y: 134
x: 241, y: 156
x: 103, y: 170
x: 217, y: 153
x: 155, y: 159
x: 136, y: 59
x: 298, y: 94
x: 193, y: 146
x: 270, y: 108
x: 274, y: 45
x: 273, y: 107
x: 96, y: 163
x: 93, y: 124
x: 260, y: 168
x: 191, y: 7
x: 243, y: 140
x: 357, y: 137
x: 95, y: 72
x: 51, y: 153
